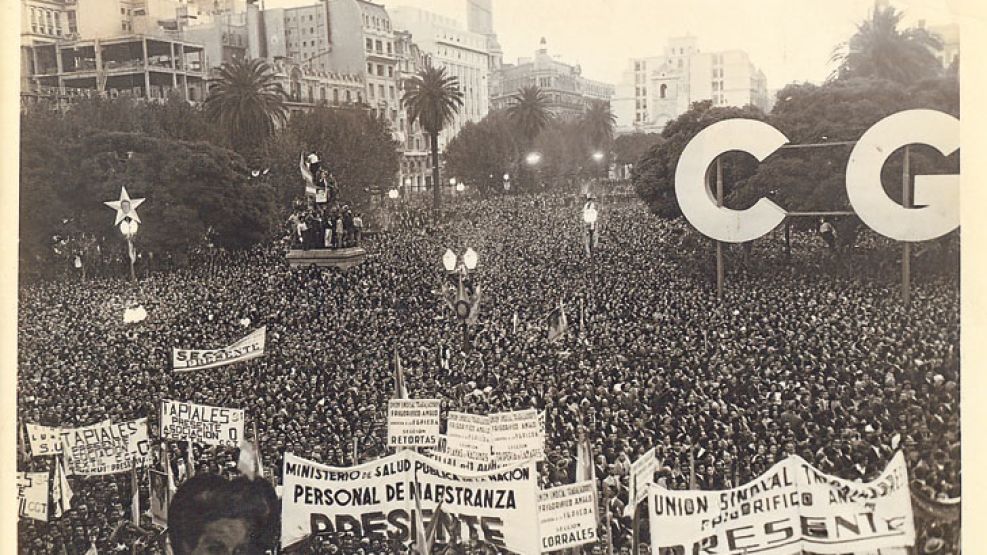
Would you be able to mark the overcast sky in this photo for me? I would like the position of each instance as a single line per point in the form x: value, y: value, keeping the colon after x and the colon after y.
x: 790, y: 40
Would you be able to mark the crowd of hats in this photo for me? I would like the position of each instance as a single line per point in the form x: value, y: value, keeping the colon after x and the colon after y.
x: 813, y: 355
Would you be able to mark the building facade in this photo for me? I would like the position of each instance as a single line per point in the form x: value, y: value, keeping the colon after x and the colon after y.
x: 655, y: 90
x: 143, y: 48
x: 138, y: 66
x: 569, y: 93
x: 463, y: 53
x: 415, y: 174
x: 479, y: 19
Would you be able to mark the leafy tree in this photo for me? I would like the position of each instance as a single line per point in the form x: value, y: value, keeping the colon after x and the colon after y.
x: 529, y: 112
x: 628, y: 149
x: 190, y: 187
x: 880, y: 50
x: 433, y: 99
x: 247, y: 102
x: 814, y: 179
x: 597, y: 124
x: 654, y: 176
x: 355, y: 146
x: 482, y: 152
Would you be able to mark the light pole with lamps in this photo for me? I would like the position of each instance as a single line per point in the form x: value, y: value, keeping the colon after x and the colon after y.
x: 507, y: 182
x: 464, y: 305
x: 590, y: 216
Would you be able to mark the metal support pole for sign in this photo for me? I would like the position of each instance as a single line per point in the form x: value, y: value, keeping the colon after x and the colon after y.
x: 719, y: 244
x: 606, y: 499
x: 635, y: 529
x: 130, y: 249
x: 355, y: 450
x: 906, y: 249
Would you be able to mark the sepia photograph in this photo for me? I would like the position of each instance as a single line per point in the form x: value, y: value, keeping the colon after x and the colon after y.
x: 457, y: 277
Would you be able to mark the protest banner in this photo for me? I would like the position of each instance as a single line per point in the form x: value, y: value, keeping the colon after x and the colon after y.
x: 642, y: 474
x: 105, y: 448
x: 413, y: 422
x: 567, y: 516
x: 160, y: 497
x: 791, y: 507
x: 468, y: 435
x: 377, y: 500
x: 201, y: 424
x: 44, y: 440
x: 516, y: 436
x: 32, y: 495
x: 446, y: 453
x: 251, y: 346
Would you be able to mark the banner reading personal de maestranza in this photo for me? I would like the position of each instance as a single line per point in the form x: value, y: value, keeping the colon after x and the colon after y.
x: 791, y: 507
x: 201, y: 424
x: 251, y: 346
x: 377, y: 499
x: 106, y: 448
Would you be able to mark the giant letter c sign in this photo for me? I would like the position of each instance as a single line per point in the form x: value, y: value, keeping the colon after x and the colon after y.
x: 695, y: 199
x: 937, y: 195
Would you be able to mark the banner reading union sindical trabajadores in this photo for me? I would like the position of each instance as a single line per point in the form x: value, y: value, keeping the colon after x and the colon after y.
x: 377, y: 500
x: 789, y: 508
x: 252, y: 346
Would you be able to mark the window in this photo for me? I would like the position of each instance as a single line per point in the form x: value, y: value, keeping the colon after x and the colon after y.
x: 34, y: 20
x: 391, y: 91
x: 380, y: 70
x: 370, y: 69
x: 370, y: 45
x: 348, y: 97
x: 380, y: 90
x: 637, y: 66
x: 335, y: 96
x: 371, y: 89
x: 390, y: 48
x: 380, y: 48
x: 390, y: 71
x: 123, y: 11
x: 663, y: 90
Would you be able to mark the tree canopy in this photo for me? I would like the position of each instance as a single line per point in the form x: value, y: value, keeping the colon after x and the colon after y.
x: 880, y: 50
x: 433, y: 98
x: 247, y: 102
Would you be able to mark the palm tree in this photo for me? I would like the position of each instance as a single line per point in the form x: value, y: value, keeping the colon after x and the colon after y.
x: 529, y: 112
x: 433, y: 98
x: 247, y: 101
x: 879, y: 50
x: 597, y: 123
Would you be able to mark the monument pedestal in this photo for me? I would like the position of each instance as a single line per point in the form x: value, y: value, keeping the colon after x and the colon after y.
x: 335, y: 258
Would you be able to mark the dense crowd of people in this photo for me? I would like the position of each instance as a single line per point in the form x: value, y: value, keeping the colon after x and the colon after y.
x: 810, y: 354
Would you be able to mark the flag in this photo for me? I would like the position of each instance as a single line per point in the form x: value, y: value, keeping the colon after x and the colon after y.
x: 135, y: 502
x: 250, y: 463
x: 424, y: 538
x: 306, y: 175
x: 166, y: 460
x: 557, y: 324
x: 400, y: 390
x: 21, y: 444
x: 585, y: 468
x: 61, y: 491
x: 190, y: 460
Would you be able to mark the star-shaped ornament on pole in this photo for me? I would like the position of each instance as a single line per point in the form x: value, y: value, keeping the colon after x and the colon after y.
x: 126, y: 207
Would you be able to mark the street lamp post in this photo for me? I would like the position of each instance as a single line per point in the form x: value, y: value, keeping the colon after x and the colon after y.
x: 590, y: 216
x: 128, y: 228
x: 464, y: 306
